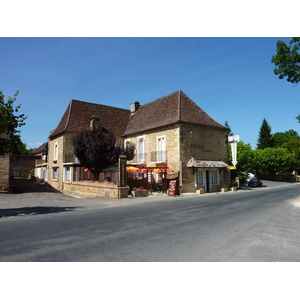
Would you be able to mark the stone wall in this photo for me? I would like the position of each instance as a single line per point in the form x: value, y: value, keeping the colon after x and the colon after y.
x: 23, y: 164
x: 89, y: 189
x: 4, y: 171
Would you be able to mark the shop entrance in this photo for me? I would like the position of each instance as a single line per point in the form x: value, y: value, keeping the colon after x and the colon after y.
x: 207, y: 178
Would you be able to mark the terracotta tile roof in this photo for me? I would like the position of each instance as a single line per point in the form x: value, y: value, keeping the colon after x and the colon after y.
x: 78, y: 115
x: 174, y: 108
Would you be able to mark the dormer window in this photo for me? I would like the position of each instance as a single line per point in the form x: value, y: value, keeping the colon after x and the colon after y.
x: 96, y: 123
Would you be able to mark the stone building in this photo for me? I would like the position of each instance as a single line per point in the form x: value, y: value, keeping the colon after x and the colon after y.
x: 170, y: 132
x: 174, y: 132
x: 62, y: 166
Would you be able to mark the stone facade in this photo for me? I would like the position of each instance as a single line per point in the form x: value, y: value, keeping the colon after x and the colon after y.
x: 207, y: 143
x: 5, y: 172
x: 23, y: 165
x: 88, y: 189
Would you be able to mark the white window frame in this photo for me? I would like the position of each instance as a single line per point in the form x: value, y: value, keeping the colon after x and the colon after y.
x: 55, y: 171
x: 67, y: 174
x: 214, y: 177
x: 200, y: 179
x: 140, y: 154
x: 161, y: 149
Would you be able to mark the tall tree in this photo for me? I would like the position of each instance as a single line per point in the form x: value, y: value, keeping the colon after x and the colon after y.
x: 226, y: 124
x: 287, y: 60
x: 96, y: 150
x: 265, y: 136
x: 9, y: 122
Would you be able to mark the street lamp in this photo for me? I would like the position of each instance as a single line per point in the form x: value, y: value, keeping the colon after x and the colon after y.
x: 184, y: 132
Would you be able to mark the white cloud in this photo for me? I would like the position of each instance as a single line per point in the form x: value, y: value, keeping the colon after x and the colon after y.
x: 35, y: 144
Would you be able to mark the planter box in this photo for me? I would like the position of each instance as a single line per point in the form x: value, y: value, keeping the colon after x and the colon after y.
x: 200, y: 191
x: 223, y: 190
x: 139, y: 193
x: 233, y: 188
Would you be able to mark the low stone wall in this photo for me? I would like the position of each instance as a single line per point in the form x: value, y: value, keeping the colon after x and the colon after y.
x: 90, y: 189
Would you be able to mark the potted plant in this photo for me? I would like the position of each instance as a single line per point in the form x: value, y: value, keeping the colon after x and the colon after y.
x: 224, y: 188
x: 199, y: 190
x: 139, y: 192
x: 233, y: 186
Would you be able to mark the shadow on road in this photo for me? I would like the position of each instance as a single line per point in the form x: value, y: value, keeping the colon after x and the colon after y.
x: 37, y: 210
x: 23, y: 185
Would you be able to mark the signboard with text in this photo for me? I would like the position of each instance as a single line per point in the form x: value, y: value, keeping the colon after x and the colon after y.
x: 122, y: 170
x: 172, y: 188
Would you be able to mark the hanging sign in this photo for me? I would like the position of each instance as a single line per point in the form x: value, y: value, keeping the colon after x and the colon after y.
x: 233, y: 138
x: 233, y: 151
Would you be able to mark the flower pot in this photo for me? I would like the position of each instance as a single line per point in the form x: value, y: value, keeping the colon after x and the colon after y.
x: 200, y: 191
x: 233, y: 188
x: 139, y: 193
x: 223, y: 190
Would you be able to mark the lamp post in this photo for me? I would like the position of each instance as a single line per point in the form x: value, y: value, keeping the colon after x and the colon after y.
x: 184, y: 132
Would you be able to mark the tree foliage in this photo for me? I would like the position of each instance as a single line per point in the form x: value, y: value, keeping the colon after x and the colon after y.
x: 96, y: 150
x: 226, y: 124
x: 265, y: 136
x: 280, y: 138
x: 9, y: 123
x: 287, y: 60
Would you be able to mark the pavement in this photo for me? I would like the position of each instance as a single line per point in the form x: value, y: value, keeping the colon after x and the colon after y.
x: 32, y: 198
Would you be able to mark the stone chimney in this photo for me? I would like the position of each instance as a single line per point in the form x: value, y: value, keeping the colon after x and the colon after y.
x: 134, y: 107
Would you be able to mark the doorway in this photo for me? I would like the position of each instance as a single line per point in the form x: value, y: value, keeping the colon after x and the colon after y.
x: 207, y: 181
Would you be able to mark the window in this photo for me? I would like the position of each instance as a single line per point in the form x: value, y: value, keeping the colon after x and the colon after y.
x: 214, y: 175
x: 140, y: 150
x: 54, y: 173
x: 200, y: 178
x: 55, y: 151
x: 67, y: 174
x: 161, y: 149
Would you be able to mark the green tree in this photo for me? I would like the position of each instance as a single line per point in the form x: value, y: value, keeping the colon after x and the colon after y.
x: 272, y: 161
x: 280, y: 138
x: 244, y: 155
x: 287, y: 60
x: 293, y: 146
x: 226, y: 124
x: 9, y: 123
x: 265, y: 136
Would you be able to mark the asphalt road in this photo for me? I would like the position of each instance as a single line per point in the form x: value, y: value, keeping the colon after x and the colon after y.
x: 259, y: 224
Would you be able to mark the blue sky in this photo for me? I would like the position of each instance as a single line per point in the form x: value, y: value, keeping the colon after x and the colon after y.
x: 229, y: 78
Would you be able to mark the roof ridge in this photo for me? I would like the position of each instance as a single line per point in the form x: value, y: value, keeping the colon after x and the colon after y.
x: 100, y: 104
x: 69, y: 114
x: 159, y: 98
